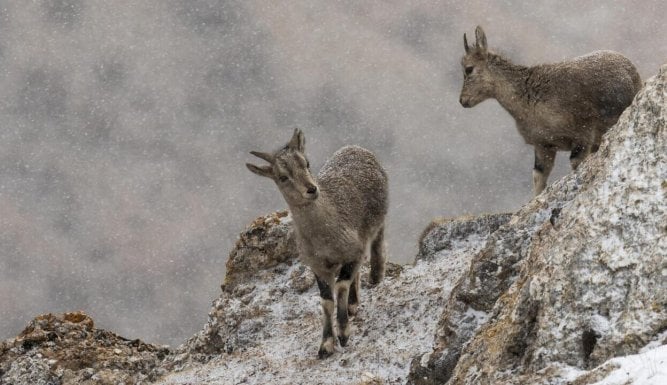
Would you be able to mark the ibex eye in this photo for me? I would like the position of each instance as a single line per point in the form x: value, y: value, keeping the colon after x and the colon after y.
x: 469, y: 70
x: 283, y: 178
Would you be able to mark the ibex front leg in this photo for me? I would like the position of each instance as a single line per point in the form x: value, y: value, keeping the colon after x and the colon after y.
x: 353, y: 298
x: 326, y: 299
x: 544, y: 163
x: 346, y: 277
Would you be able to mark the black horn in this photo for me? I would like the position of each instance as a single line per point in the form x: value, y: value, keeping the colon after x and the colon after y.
x: 263, y: 155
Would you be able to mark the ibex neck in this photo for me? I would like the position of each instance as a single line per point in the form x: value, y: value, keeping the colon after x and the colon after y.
x: 309, y: 216
x: 511, y: 83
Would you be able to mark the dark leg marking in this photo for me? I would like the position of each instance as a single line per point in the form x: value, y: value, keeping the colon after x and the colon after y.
x: 576, y: 151
x: 346, y: 272
x: 578, y: 154
x: 325, y: 289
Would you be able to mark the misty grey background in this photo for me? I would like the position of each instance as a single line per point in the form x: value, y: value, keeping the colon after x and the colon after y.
x: 125, y: 126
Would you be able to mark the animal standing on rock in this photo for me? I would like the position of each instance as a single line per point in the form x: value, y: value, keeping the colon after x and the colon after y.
x: 564, y: 106
x: 338, y: 219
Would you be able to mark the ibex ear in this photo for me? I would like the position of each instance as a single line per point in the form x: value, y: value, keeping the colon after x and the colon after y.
x: 480, y: 38
x: 465, y: 43
x: 298, y: 141
x: 261, y: 171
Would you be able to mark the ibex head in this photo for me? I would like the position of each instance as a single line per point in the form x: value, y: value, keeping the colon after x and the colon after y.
x: 478, y: 84
x: 290, y: 169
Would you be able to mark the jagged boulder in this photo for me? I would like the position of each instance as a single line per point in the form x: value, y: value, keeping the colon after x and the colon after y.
x: 576, y: 277
x: 67, y: 349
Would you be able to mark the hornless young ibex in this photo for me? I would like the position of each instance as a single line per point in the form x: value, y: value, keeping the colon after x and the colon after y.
x: 338, y: 218
x: 563, y: 106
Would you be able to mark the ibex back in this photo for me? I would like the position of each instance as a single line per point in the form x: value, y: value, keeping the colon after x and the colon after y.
x: 564, y: 106
x: 338, y: 218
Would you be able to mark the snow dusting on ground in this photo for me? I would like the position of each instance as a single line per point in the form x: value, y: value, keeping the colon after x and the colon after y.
x: 396, y: 322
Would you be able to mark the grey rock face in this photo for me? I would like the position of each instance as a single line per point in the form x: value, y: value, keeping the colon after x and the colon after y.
x: 446, y: 234
x: 577, y: 276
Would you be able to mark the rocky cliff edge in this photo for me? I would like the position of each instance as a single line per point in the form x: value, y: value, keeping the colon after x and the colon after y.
x: 547, y: 295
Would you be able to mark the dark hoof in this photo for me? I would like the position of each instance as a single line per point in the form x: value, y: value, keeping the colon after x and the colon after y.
x: 375, y: 278
x: 323, y: 353
x: 343, y: 340
x: 326, y: 348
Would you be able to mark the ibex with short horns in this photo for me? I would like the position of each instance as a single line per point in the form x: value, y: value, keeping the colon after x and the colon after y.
x: 564, y: 106
x: 338, y: 218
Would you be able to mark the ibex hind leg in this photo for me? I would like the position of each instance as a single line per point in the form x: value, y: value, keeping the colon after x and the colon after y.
x: 378, y: 258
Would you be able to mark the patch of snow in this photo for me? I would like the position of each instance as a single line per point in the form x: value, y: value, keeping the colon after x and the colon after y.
x: 646, y: 368
x: 649, y: 367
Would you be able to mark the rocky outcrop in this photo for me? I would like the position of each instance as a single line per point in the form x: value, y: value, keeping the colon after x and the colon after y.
x: 265, y: 249
x: 265, y: 326
x: 67, y: 349
x: 448, y: 233
x: 576, y: 277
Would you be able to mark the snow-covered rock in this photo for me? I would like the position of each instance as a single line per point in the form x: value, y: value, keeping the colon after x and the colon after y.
x: 578, y: 276
x: 265, y: 327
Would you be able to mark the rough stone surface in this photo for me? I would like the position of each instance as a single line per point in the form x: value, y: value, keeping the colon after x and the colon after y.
x: 267, y: 330
x: 446, y: 233
x: 578, y: 276
x: 264, y: 244
x: 264, y: 249
x: 67, y: 349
